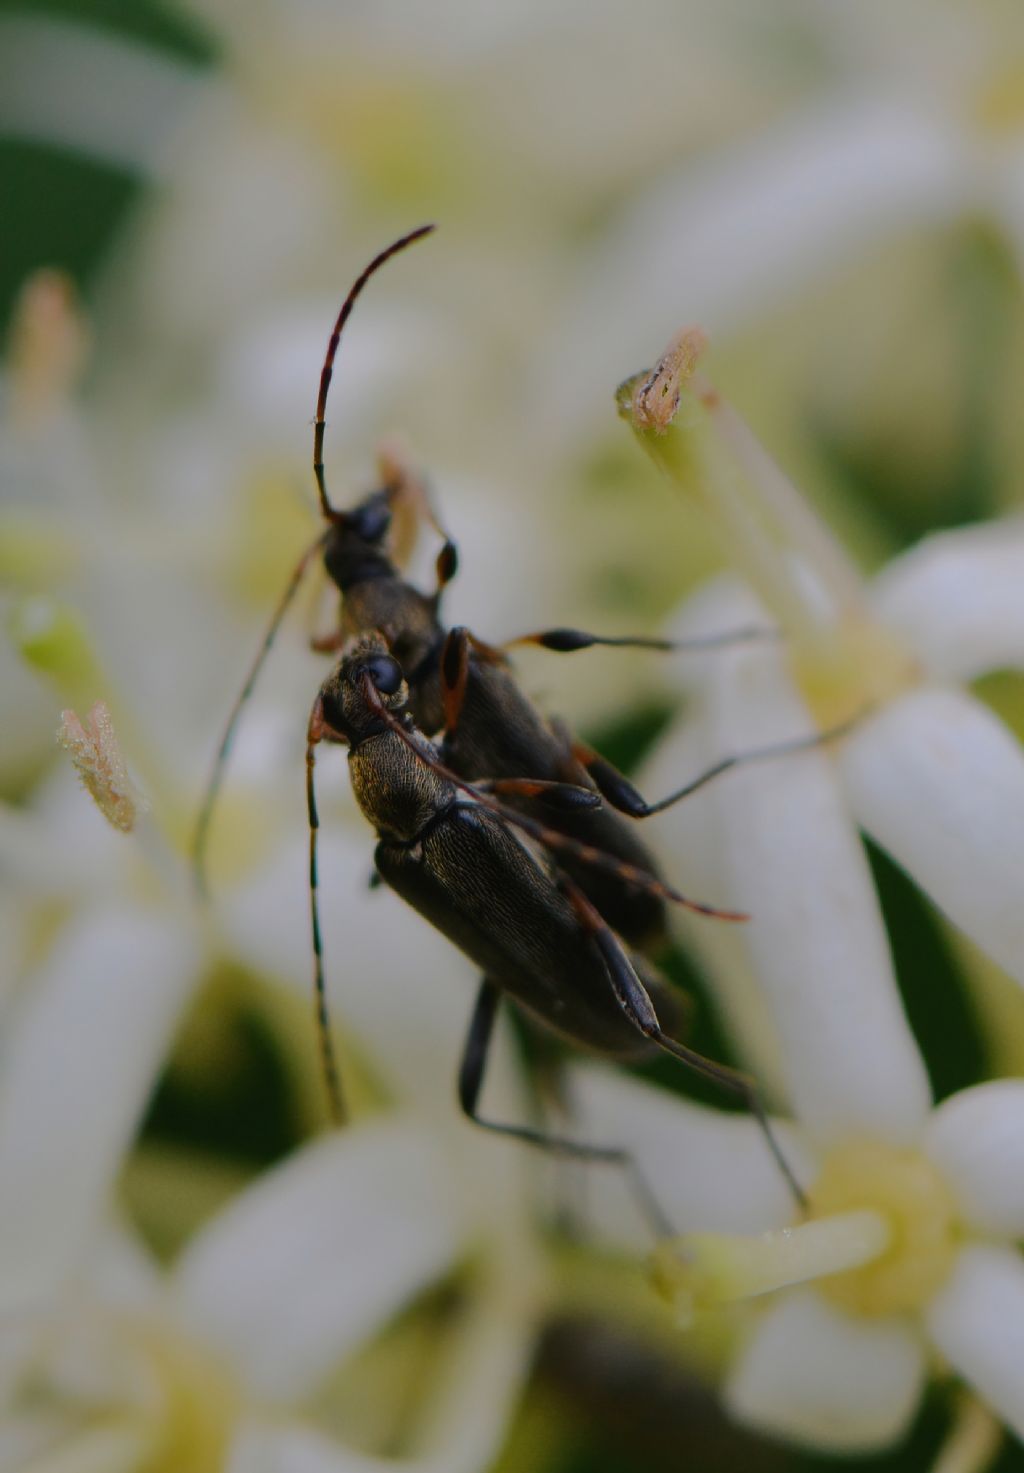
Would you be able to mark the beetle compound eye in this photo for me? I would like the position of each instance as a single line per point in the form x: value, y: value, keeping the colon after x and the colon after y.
x: 370, y: 521
x: 385, y: 673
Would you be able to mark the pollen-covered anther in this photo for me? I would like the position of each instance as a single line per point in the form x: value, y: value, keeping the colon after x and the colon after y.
x: 905, y: 1189
x: 94, y: 750
x: 49, y: 341
x: 656, y: 397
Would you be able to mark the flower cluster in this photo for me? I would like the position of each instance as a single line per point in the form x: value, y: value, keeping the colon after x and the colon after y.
x: 145, y: 531
x: 913, y: 1213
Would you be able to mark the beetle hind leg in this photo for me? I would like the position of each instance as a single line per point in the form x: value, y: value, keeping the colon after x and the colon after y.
x: 470, y: 1085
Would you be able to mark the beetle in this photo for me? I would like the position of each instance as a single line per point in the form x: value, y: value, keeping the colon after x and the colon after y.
x: 461, y: 685
x: 492, y: 880
x: 591, y: 888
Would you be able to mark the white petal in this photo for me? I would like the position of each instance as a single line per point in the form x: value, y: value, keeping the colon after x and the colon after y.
x: 708, y: 1169
x: 123, y: 1273
x: 957, y: 598
x: 119, y: 1446
x: 83, y: 89
x: 27, y: 1436
x: 262, y: 1446
x: 822, y: 1378
x: 78, y: 1063
x: 815, y: 939
x: 977, y: 1322
x: 976, y: 1138
x: 481, y: 1382
x: 469, y: 1408
x: 938, y: 781
x: 687, y: 840
x: 725, y: 240
x: 40, y: 857
x: 320, y: 1253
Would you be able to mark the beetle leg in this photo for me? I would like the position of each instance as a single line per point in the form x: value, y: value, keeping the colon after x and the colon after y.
x: 566, y: 641
x: 621, y: 793
x: 470, y: 1084
x: 634, y: 1001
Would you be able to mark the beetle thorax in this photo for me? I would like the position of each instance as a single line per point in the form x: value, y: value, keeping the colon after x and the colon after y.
x: 396, y: 790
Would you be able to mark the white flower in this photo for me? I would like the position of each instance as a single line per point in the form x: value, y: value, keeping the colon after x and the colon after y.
x: 925, y: 768
x: 301, y: 1271
x: 929, y: 771
x: 285, y: 1283
x: 909, y: 1249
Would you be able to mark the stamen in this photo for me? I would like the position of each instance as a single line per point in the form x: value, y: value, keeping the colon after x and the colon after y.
x: 843, y: 661
x: 48, y: 344
x: 656, y: 399
x: 684, y: 445
x: 974, y: 1441
x: 802, y: 529
x: 94, y: 750
x: 703, y: 1271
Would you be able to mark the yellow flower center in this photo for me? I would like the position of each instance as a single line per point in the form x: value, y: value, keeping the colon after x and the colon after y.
x: 152, y: 1400
x: 850, y: 668
x: 880, y: 1238
x: 999, y: 102
x: 905, y: 1190
x: 193, y: 1400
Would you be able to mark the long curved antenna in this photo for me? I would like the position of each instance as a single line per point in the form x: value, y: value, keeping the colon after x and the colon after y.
x: 328, y: 1058
x: 327, y: 372
x: 202, y: 830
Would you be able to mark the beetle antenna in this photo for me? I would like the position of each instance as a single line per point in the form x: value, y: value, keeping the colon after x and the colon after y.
x: 202, y: 830
x: 328, y: 1058
x: 326, y: 373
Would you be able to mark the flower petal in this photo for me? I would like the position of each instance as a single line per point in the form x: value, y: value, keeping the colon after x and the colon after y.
x: 78, y: 1063
x: 815, y: 939
x: 822, y: 1378
x: 123, y: 1274
x: 319, y: 1253
x: 977, y: 1322
x: 957, y: 598
x: 976, y: 1138
x: 145, y: 92
x: 938, y: 781
x: 689, y: 844
x: 120, y: 1445
x: 725, y: 241
x: 469, y: 1408
x: 709, y: 1170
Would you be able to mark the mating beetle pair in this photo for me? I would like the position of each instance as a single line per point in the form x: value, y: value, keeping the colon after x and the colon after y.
x: 510, y: 837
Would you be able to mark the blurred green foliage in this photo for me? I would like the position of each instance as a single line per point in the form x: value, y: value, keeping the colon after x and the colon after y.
x: 61, y: 208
